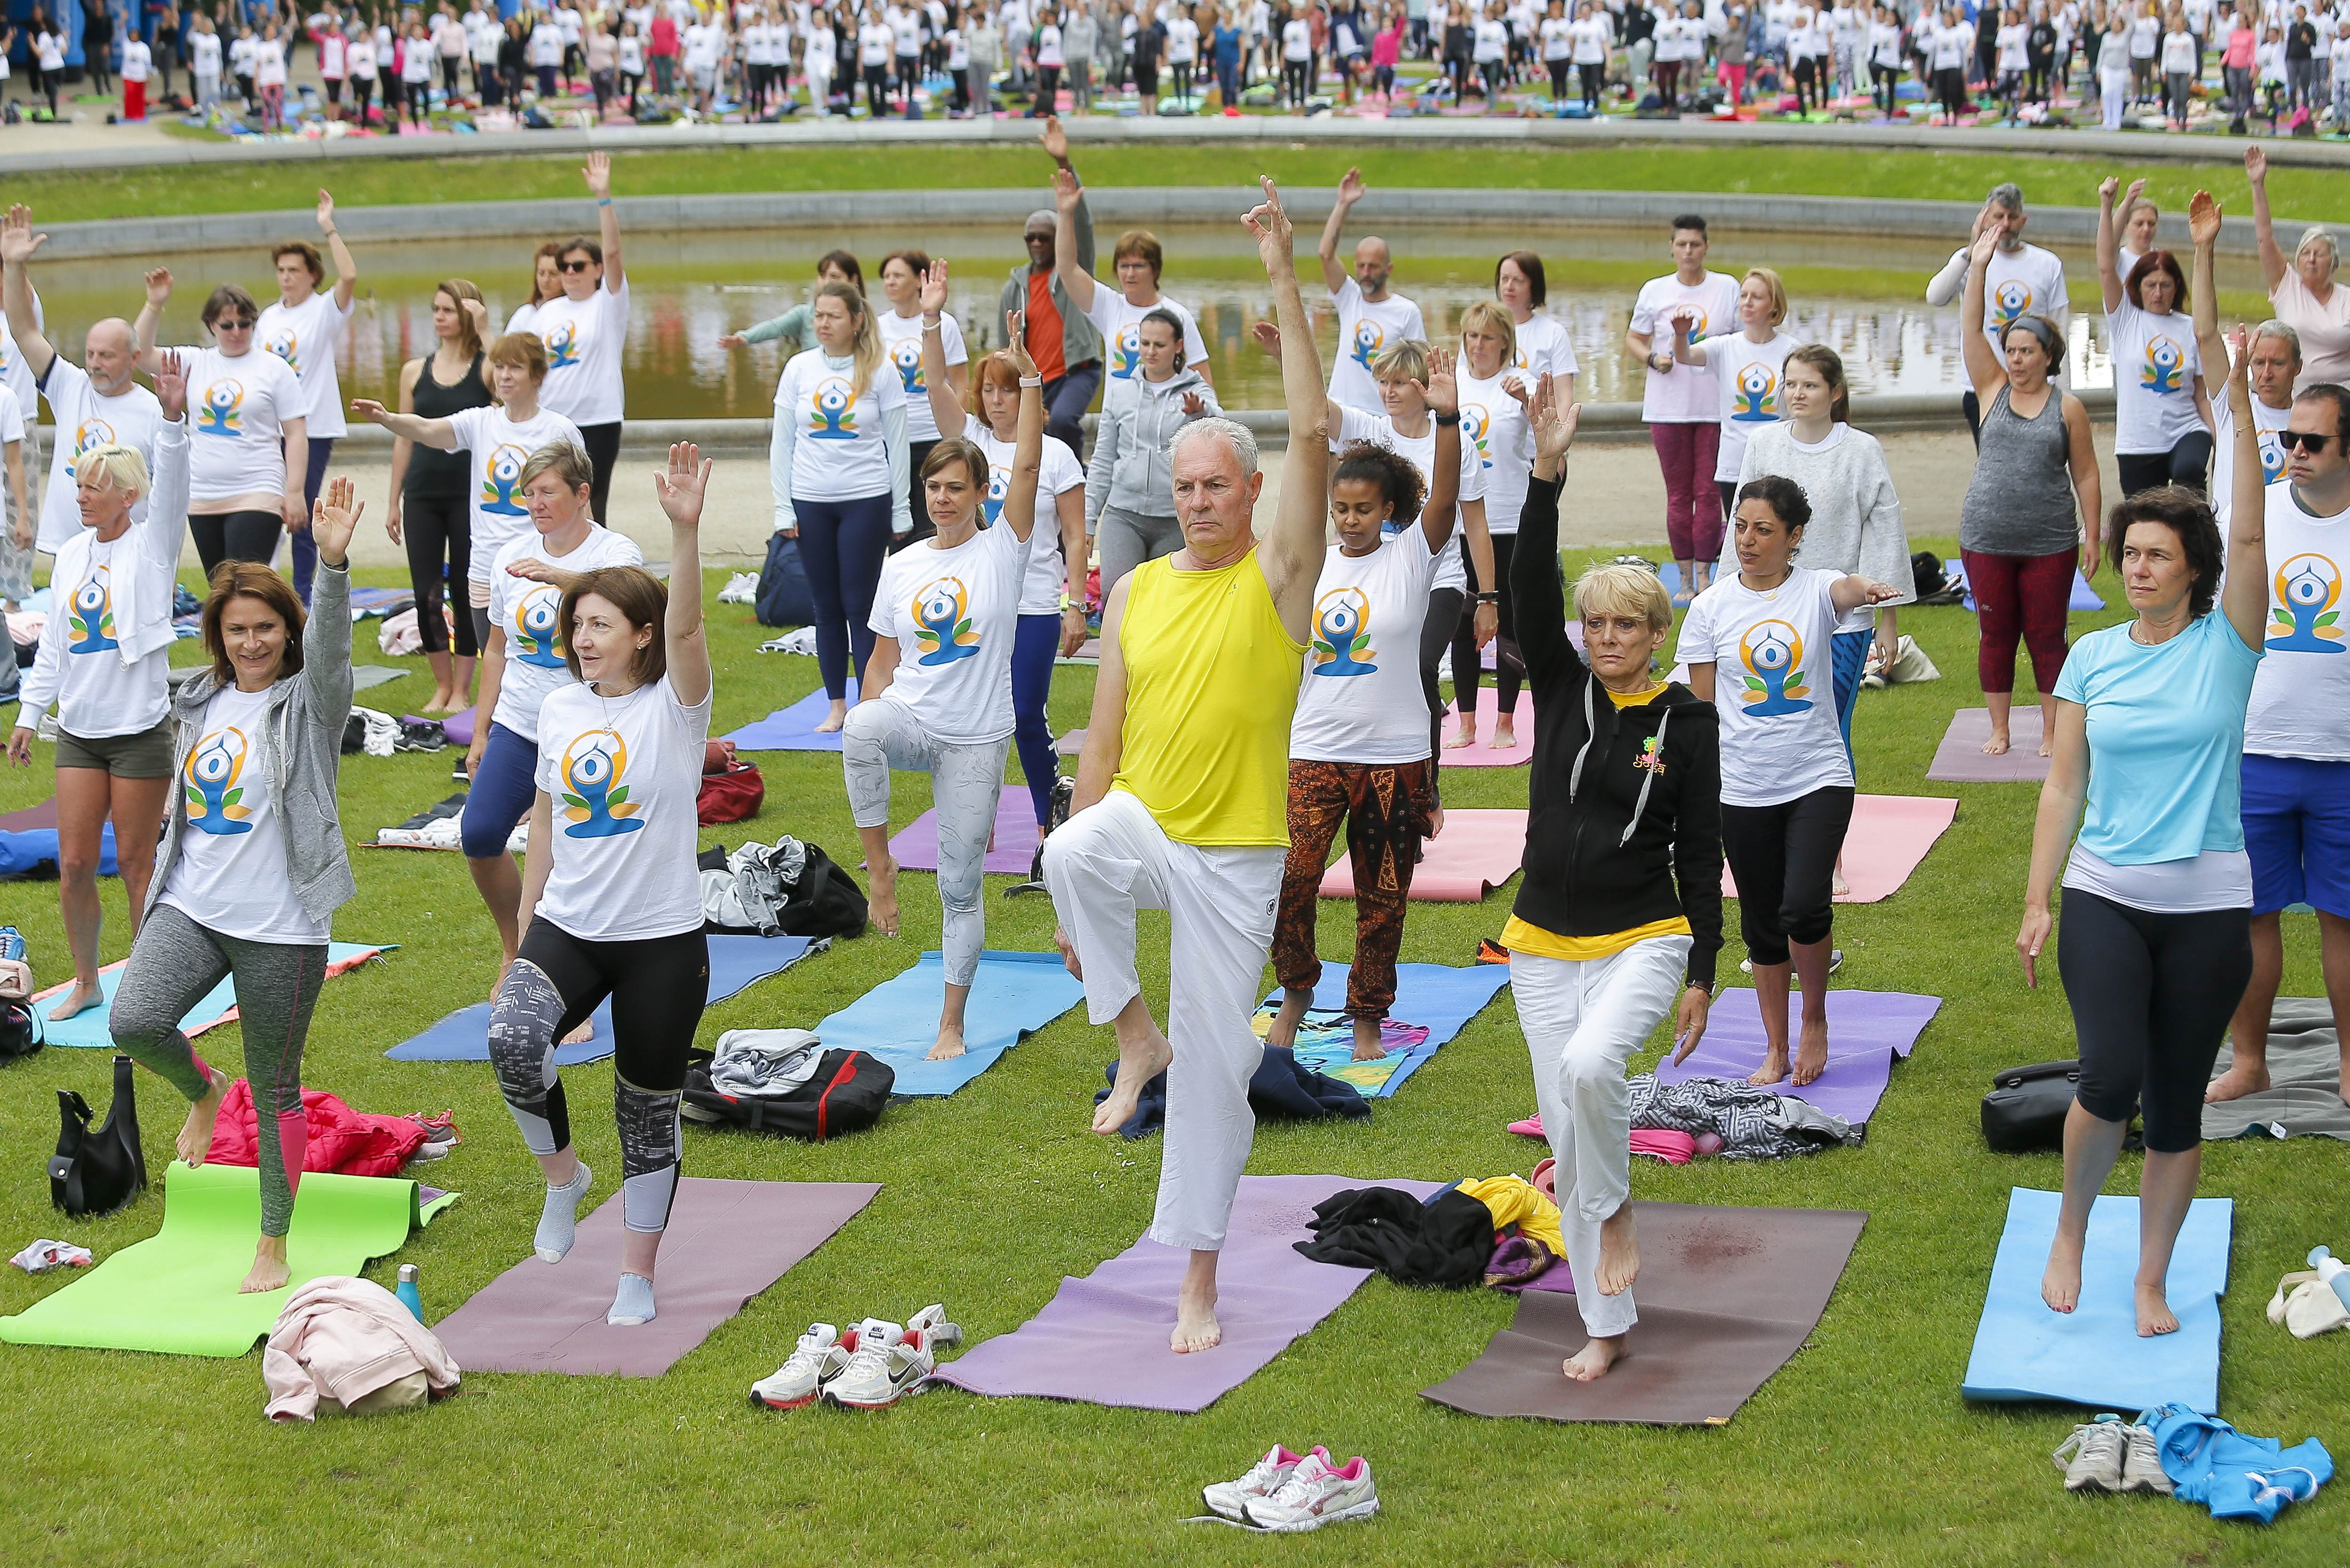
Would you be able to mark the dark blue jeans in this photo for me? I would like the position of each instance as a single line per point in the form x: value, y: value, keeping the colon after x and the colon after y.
x: 1066, y: 400
x: 842, y: 543
x: 306, y: 549
x: 1033, y: 648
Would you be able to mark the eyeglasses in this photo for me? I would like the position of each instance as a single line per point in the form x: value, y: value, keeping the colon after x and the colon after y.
x: 575, y: 265
x: 2307, y: 440
x: 232, y: 323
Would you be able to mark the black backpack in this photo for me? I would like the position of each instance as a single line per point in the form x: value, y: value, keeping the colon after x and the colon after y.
x: 783, y: 599
x: 96, y: 1171
x: 20, y: 1029
x: 2025, y: 1112
x: 847, y: 1093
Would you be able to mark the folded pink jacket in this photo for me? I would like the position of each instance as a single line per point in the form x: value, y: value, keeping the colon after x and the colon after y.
x: 345, y: 1338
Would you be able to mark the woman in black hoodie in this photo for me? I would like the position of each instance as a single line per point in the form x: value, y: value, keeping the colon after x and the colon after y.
x: 1619, y: 917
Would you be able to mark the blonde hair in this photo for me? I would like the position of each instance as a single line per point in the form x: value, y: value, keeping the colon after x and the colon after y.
x: 865, y: 349
x: 1775, y: 288
x: 1487, y: 316
x: 565, y: 460
x: 1610, y: 589
x: 123, y: 467
x: 1407, y: 361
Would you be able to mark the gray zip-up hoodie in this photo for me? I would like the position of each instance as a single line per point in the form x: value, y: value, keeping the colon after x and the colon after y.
x: 301, y: 745
x: 1131, y: 468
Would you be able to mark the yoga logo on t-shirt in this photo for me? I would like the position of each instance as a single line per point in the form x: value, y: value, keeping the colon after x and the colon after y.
x: 287, y: 346
x: 1369, y: 337
x: 2273, y: 458
x: 942, y: 625
x: 209, y: 782
x: 2165, y: 362
x: 563, y: 346
x: 1342, y: 634
x: 1127, y: 352
x: 1773, y: 652
x: 2010, y: 300
x: 907, y: 355
x: 1476, y: 423
x: 2308, y: 586
x: 832, y: 411
x: 538, y: 627
x: 91, y: 614
x: 501, y: 472
x: 220, y: 414
x: 596, y: 796
x: 1696, y: 317
x: 1756, y: 395
x: 999, y: 486
x: 91, y: 432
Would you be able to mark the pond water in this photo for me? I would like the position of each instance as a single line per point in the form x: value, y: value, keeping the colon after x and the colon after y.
x: 1863, y: 297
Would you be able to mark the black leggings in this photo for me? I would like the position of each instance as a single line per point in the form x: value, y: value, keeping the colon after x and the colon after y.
x: 2188, y: 463
x: 1435, y: 634
x: 1810, y: 91
x: 437, y: 529
x: 1292, y: 80
x: 917, y: 504
x: 235, y: 536
x: 1595, y: 81
x: 1468, y: 665
x: 603, y: 445
x: 1559, y: 70
x: 1784, y: 857
x: 877, y: 91
x: 1885, y: 83
x: 2151, y: 996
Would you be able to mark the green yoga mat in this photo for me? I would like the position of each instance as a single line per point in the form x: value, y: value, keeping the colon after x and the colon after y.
x: 176, y: 1292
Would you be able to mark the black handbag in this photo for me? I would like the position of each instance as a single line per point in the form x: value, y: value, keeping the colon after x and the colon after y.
x: 97, y: 1171
x: 2025, y: 1112
x: 783, y: 596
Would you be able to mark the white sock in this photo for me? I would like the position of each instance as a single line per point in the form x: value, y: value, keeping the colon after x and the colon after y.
x: 633, y: 1303
x: 557, y: 1222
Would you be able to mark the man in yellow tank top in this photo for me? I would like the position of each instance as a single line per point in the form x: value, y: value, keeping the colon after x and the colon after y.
x: 1182, y: 791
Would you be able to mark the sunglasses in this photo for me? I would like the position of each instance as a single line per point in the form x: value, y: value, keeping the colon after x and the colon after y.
x: 232, y: 323
x: 2306, y: 440
x: 575, y: 265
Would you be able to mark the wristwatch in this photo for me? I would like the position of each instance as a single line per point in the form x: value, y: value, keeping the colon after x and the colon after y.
x: 1450, y: 418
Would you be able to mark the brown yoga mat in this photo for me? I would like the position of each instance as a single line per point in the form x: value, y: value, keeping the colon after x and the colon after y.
x: 1960, y: 758
x: 1726, y: 1296
x: 32, y: 817
x: 726, y: 1242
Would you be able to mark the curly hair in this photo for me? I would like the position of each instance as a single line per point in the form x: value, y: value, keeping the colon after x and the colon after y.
x: 2188, y: 516
x: 1781, y: 495
x: 1397, y: 477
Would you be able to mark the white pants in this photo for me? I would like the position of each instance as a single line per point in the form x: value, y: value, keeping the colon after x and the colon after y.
x: 965, y: 780
x: 2116, y: 98
x: 1583, y: 1019
x: 1112, y: 859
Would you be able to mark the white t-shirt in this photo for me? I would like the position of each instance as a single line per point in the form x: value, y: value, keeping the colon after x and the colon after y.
x: 902, y: 337
x: 624, y: 775
x: 1365, y: 330
x: 2267, y: 421
x: 1119, y: 321
x: 269, y: 63
x: 1686, y: 395
x: 1751, y: 375
x: 15, y: 374
x: 1060, y: 473
x: 334, y: 56
x: 1592, y: 37
x: 1493, y: 424
x: 1183, y: 41
x: 2156, y: 364
x: 50, y: 48
x: 1360, y: 425
x: 1297, y: 40
x: 1048, y: 47
x: 530, y: 613
x: 500, y: 448
x: 305, y: 336
x: 137, y: 60
x: 2009, y: 42
x: 1491, y: 43
x: 1951, y: 48
x: 2024, y: 282
x: 2179, y: 52
x: 130, y: 418
x: 230, y: 876
x: 2301, y: 694
x: 204, y: 54
x: 584, y: 339
x: 838, y: 450
x: 1543, y: 345
x: 1557, y: 38
x: 98, y: 695
x: 1772, y: 685
x: 236, y: 410
x: 954, y: 614
x: 1360, y: 698
x: 11, y: 430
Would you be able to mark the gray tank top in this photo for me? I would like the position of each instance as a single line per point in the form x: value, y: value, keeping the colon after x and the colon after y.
x: 2020, y: 501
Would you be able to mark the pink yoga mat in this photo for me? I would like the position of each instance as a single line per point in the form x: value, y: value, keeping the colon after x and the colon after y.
x: 727, y: 1241
x: 1014, y: 851
x: 1483, y: 754
x: 1478, y: 850
x: 1960, y: 758
x: 1890, y: 836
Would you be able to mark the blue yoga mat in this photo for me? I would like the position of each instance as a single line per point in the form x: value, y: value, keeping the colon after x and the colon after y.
x: 1433, y: 998
x: 2094, y: 1355
x: 736, y: 963
x: 2085, y: 597
x: 21, y: 850
x: 1014, y: 995
x: 91, y: 1031
x: 792, y: 728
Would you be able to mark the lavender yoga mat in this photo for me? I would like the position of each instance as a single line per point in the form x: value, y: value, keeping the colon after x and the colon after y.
x: 1013, y: 852
x: 726, y: 1242
x: 1103, y: 1339
x: 1866, y: 1030
x: 1960, y: 758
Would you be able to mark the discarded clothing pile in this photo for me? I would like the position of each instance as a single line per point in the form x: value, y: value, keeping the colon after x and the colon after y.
x: 347, y: 1142
x: 1656, y: 1143
x: 2234, y: 1476
x: 786, y: 887
x: 1446, y: 1240
x: 381, y: 734
x: 352, y: 1341
x: 1752, y: 1123
x: 1283, y: 1088
x: 784, y: 1081
x: 44, y: 1255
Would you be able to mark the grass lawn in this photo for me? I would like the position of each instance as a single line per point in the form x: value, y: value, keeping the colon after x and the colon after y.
x: 1859, y: 1451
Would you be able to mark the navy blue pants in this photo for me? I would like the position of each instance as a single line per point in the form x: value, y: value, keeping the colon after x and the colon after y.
x: 842, y: 544
x: 500, y: 794
x: 1033, y: 650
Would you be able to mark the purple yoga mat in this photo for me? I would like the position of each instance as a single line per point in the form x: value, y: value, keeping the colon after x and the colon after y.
x: 726, y: 1242
x: 1103, y: 1339
x: 31, y: 818
x: 1015, y: 850
x: 1866, y: 1030
x: 1960, y: 758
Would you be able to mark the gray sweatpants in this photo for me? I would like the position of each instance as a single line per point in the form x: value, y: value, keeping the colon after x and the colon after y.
x: 1127, y: 539
x: 174, y: 963
x: 881, y: 733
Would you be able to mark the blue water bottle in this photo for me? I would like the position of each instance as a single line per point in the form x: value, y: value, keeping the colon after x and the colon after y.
x: 409, y: 1297
x: 2331, y: 1272
x: 12, y: 944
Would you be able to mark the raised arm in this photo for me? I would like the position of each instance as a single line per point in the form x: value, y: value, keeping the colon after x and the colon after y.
x: 944, y: 407
x: 2110, y: 271
x: 1078, y: 281
x: 1983, y: 367
x: 2245, y: 593
x: 439, y: 434
x: 18, y: 244
x: 682, y: 488
x: 150, y: 315
x: 1438, y: 510
x: 1292, y: 563
x: 2256, y: 170
x: 1350, y: 191
x: 346, y: 271
x: 327, y: 637
x: 1535, y: 586
x: 2203, y: 227
x: 1028, y: 447
x: 599, y: 176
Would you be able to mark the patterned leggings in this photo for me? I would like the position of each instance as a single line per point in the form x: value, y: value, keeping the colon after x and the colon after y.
x: 1384, y: 807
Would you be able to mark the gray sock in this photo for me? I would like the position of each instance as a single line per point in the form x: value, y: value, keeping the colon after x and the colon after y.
x: 633, y: 1303
x: 558, y: 1220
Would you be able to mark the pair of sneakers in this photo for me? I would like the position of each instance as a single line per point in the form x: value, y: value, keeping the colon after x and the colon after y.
x: 1285, y: 1492
x: 2110, y: 1454
x: 871, y: 1367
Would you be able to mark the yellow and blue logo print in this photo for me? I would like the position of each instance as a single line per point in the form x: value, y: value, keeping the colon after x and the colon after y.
x: 211, y: 780
x: 2010, y: 300
x: 91, y: 432
x: 538, y: 627
x: 1369, y: 339
x: 501, y: 472
x: 1476, y: 423
x: 1697, y: 327
x: 1125, y: 354
x: 564, y: 347
x: 2308, y: 589
x: 222, y: 412
x: 1342, y: 634
x: 1755, y: 396
x: 90, y: 615
x: 832, y: 411
x: 999, y: 486
x: 907, y: 355
x: 286, y: 346
x: 595, y: 789
x: 2166, y: 365
x: 942, y: 611
x: 1773, y: 652
x: 2273, y: 461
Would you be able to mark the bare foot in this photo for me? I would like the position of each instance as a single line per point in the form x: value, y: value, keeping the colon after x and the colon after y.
x: 1812, y: 1053
x: 80, y: 999
x: 1504, y: 738
x: 1369, y: 1045
x: 2048, y: 747
x: 1774, y: 1068
x: 1998, y: 744
x: 2243, y: 1078
x: 2154, y: 1313
x: 442, y: 702
x: 882, y: 901
x: 1619, y: 1255
x: 1069, y: 953
x: 581, y: 1035
x: 2060, y: 1284
x: 1135, y: 1067
x: 196, y: 1133
x: 949, y: 1043
x: 1282, y: 1032
x: 834, y: 720
x: 269, y: 1270
x: 1195, y: 1323
x: 1464, y: 736
x: 1837, y: 886
x: 1591, y: 1363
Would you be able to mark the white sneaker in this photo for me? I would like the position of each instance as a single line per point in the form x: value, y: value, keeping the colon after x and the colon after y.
x: 931, y: 1324
x: 2142, y: 1462
x: 2096, y: 1450
x: 1315, y: 1495
x: 821, y: 1354
x: 1230, y: 1500
x: 888, y: 1364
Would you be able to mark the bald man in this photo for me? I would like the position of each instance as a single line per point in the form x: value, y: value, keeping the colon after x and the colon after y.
x: 1066, y: 345
x: 92, y: 406
x: 1371, y: 319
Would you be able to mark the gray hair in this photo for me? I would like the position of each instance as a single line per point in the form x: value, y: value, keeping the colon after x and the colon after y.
x: 1241, y: 440
x: 2319, y: 234
x: 2007, y: 194
x: 1044, y: 218
x: 2272, y: 328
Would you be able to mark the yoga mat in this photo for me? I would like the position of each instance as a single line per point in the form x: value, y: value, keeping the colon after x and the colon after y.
x: 726, y: 1242
x: 916, y: 846
x: 366, y: 675
x: 2303, y: 1098
x: 1726, y: 1297
x: 42, y: 815
x: 1867, y: 1030
x: 1103, y: 1339
x: 2085, y: 597
x: 458, y: 727
x: 1960, y: 758
x: 1483, y: 754
x: 1477, y: 851
x: 2094, y: 1355
x: 367, y: 602
x: 1088, y: 652
x: 91, y: 1030
x: 1889, y: 835
x: 176, y: 1291
x: 22, y: 851
x: 736, y: 963
x: 1070, y: 744
x: 1433, y: 1002
x: 792, y: 728
x: 1012, y: 996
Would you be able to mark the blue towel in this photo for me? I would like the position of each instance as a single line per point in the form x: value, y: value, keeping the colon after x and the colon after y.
x: 793, y: 729
x: 1436, y: 997
x: 1012, y: 996
x: 736, y: 963
x: 90, y: 1030
x: 22, y: 851
x: 2234, y: 1476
